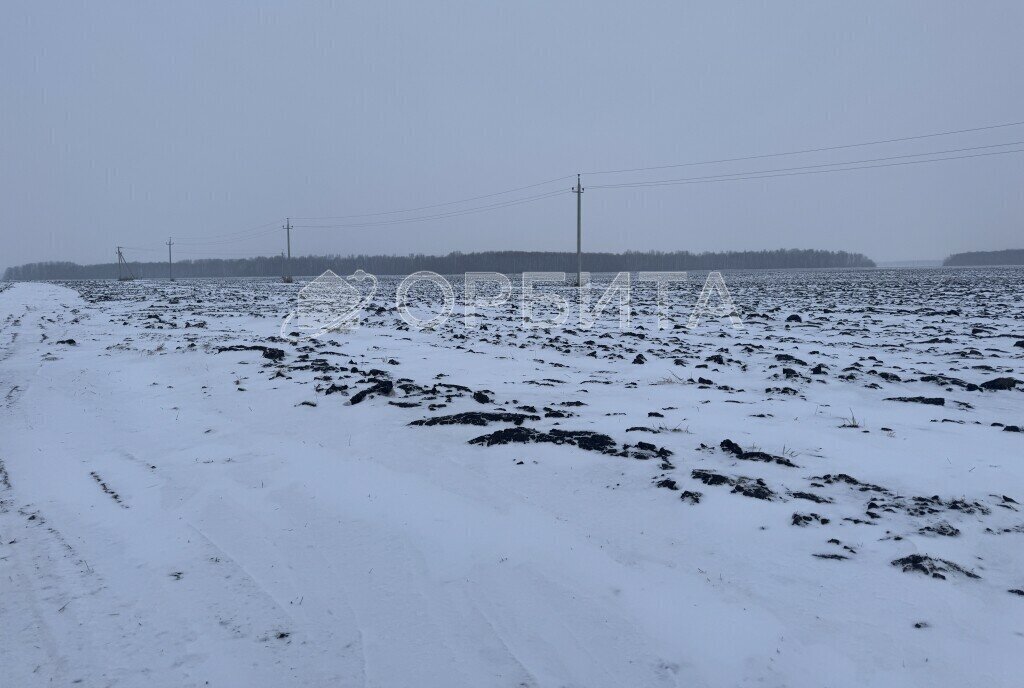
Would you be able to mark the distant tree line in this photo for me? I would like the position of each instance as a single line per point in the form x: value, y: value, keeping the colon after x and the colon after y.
x: 1013, y: 256
x: 497, y: 261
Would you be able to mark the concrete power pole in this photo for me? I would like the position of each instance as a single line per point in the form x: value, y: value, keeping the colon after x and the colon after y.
x: 578, y: 190
x: 288, y: 268
x: 170, y: 263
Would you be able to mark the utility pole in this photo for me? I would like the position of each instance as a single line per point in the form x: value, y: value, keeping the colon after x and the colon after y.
x: 578, y: 190
x: 170, y: 263
x: 288, y: 268
x: 122, y: 263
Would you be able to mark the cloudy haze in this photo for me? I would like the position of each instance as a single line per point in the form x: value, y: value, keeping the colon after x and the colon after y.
x: 126, y: 123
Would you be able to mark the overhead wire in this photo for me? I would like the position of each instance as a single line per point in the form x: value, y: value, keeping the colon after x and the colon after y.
x: 202, y: 238
x: 811, y: 150
x: 438, y: 205
x: 454, y: 213
x: 767, y: 174
x: 269, y: 228
x: 810, y: 167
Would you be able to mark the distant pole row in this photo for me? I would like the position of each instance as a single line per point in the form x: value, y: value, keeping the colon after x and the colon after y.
x: 124, y: 273
x: 891, y: 161
x: 286, y: 271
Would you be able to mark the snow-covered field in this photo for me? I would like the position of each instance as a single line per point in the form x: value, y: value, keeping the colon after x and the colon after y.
x: 707, y: 507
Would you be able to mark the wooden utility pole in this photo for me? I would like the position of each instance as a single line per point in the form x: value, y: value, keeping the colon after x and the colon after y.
x: 170, y: 263
x: 288, y: 267
x: 578, y: 190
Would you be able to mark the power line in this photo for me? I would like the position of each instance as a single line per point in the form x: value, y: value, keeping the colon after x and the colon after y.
x: 768, y: 174
x: 238, y: 236
x: 263, y: 253
x: 230, y: 242
x: 202, y: 239
x: 813, y: 150
x: 454, y: 213
x: 241, y: 235
x: 810, y: 167
x: 439, y: 205
x: 659, y: 167
x: 233, y: 238
x: 735, y: 176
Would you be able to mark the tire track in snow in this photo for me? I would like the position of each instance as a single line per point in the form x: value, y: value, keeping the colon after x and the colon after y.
x: 297, y: 578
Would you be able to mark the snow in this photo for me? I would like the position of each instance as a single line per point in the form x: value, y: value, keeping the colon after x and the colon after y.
x: 177, y: 516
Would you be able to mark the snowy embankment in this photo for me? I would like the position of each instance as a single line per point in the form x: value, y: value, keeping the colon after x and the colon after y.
x: 178, y: 510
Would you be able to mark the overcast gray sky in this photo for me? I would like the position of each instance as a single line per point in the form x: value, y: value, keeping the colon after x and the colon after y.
x: 126, y: 123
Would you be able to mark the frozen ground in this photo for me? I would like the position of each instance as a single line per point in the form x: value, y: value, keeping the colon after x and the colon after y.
x: 178, y: 510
